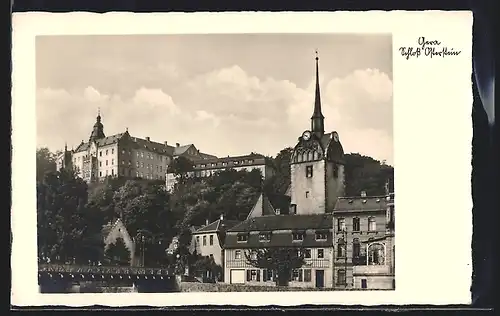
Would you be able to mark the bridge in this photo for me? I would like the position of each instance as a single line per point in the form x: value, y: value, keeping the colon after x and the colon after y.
x: 60, y: 276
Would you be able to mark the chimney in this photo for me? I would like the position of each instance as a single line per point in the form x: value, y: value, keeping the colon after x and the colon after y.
x: 363, y: 193
x: 221, y: 217
x: 166, y: 143
x: 148, y: 139
x: 207, y: 222
x: 177, y: 144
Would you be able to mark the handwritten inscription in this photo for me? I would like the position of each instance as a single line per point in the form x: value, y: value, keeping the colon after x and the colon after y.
x: 428, y: 48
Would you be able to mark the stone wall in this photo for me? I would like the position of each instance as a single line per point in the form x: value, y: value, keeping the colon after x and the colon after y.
x: 224, y: 287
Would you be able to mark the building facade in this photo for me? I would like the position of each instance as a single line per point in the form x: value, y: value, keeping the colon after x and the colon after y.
x: 208, y: 166
x: 364, y: 242
x: 209, y: 239
x: 311, y: 233
x: 123, y: 155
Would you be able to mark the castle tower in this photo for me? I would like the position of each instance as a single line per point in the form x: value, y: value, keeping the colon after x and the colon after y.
x: 98, y: 130
x: 317, y: 165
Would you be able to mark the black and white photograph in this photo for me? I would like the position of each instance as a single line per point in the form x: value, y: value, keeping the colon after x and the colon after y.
x: 227, y: 162
x: 190, y: 159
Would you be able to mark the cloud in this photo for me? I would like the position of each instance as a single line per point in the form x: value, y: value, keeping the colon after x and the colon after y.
x: 227, y: 112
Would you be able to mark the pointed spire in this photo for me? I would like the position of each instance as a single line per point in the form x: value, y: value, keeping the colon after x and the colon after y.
x: 98, y: 114
x: 317, y: 119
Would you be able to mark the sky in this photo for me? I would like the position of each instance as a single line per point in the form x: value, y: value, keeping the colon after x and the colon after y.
x: 228, y: 94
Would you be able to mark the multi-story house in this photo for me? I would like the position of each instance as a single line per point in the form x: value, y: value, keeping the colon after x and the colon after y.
x: 209, y: 239
x: 206, y: 166
x: 311, y: 233
x: 123, y: 155
x: 364, y: 242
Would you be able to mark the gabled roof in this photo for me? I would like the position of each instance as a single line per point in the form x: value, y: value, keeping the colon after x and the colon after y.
x: 181, y: 149
x: 216, y: 226
x: 285, y: 222
x: 280, y: 201
x: 358, y: 203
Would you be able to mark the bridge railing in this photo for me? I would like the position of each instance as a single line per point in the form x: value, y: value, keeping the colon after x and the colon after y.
x: 68, y: 268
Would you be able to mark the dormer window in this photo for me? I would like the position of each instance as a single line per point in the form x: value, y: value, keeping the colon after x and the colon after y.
x: 298, y: 236
x: 250, y: 161
x: 236, y: 162
x: 321, y: 235
x: 265, y: 237
x: 242, y: 237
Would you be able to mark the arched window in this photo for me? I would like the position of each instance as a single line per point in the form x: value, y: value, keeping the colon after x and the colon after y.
x: 372, y: 224
x: 304, y: 156
x: 315, y: 155
x: 376, y: 254
x: 309, y: 155
x: 341, y: 248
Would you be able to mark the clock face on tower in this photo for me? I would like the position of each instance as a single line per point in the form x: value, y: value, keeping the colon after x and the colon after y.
x: 335, y: 136
x: 306, y: 135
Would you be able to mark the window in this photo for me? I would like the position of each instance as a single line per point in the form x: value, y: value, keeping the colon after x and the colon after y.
x: 204, y: 240
x: 253, y: 275
x: 363, y: 284
x: 137, y: 154
x: 355, y: 224
x: 142, y: 154
x: 307, y: 253
x: 142, y: 164
x: 264, y: 237
x: 112, y: 151
x: 298, y: 236
x: 106, y: 152
x: 112, y: 162
x: 211, y: 240
x: 123, y: 162
x: 100, y: 154
x: 341, y: 279
x: 112, y: 172
x: 307, y: 275
x: 224, y: 164
x: 100, y: 163
x: 335, y: 171
x: 297, y: 275
x: 267, y: 275
x: 242, y: 237
x: 341, y: 225
x: 235, y: 162
x: 372, y: 224
x: 321, y: 235
x: 376, y: 254
x: 100, y: 173
x: 123, y: 151
x: 356, y: 248
x: 106, y: 162
x: 307, y: 194
x: 321, y: 253
x: 309, y: 171
x: 160, y: 169
x: 137, y: 164
x: 237, y: 254
x: 341, y: 248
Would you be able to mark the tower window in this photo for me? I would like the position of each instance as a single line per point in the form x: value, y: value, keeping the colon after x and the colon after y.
x: 309, y: 171
x: 335, y: 171
x: 307, y: 194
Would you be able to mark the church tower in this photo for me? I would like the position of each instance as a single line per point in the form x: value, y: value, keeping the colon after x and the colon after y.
x: 317, y: 165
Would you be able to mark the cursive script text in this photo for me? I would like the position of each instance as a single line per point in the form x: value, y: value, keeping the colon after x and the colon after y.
x: 427, y: 48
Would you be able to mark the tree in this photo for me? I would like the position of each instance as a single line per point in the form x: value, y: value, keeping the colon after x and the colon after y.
x: 45, y: 162
x: 282, y: 261
x: 363, y: 173
x: 66, y: 228
x: 145, y: 210
x: 117, y: 253
x: 181, y: 167
x: 280, y: 182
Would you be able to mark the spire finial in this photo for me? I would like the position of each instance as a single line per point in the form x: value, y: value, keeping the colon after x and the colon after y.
x: 317, y: 54
x: 126, y: 129
x: 99, y: 111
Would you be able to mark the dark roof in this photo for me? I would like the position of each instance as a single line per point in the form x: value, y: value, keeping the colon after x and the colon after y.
x: 357, y: 204
x: 279, y: 239
x: 285, y: 222
x: 216, y: 226
x: 159, y: 148
x: 280, y: 201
